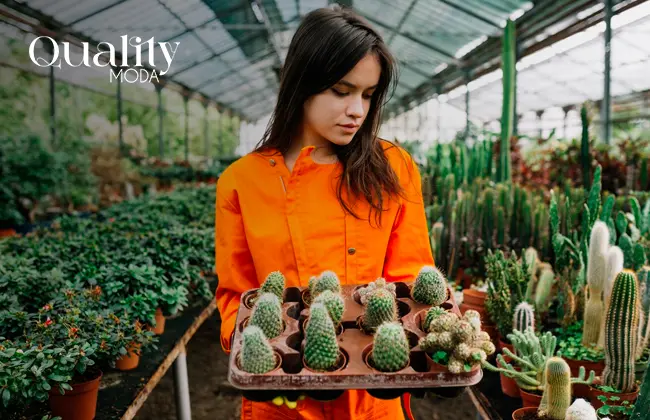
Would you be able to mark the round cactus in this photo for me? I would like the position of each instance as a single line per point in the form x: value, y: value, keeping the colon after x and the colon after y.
x: 380, y: 283
x: 267, y: 314
x: 580, y: 410
x: 256, y: 353
x: 390, y: 349
x: 328, y: 280
x: 381, y: 307
x: 430, y: 287
x: 334, y: 304
x: 431, y: 314
x: 557, y: 392
x: 321, y: 347
x: 274, y: 283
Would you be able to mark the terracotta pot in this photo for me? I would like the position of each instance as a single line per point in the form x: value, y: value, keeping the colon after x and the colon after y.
x: 597, y: 367
x: 519, y: 413
x: 130, y: 360
x: 80, y: 403
x: 474, y: 297
x: 491, y: 329
x: 504, y: 345
x: 508, y: 385
x: 596, y: 403
x: 528, y: 399
x: 159, y: 327
x: 7, y: 233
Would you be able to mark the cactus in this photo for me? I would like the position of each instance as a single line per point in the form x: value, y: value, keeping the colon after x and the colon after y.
x: 267, y: 314
x: 390, y: 349
x: 328, y: 280
x: 621, y: 333
x: 256, y: 352
x: 531, y: 257
x: 274, y: 283
x: 557, y: 393
x: 372, y: 287
x: 543, y: 290
x: 524, y: 317
x: 596, y: 279
x: 643, y: 276
x: 321, y: 347
x: 430, y: 287
x: 614, y: 266
x: 381, y: 307
x: 436, y: 240
x: 508, y: 54
x: 334, y: 304
x: 431, y: 314
x: 580, y: 410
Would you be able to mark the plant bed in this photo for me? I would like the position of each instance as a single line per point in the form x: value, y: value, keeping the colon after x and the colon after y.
x: 356, y: 373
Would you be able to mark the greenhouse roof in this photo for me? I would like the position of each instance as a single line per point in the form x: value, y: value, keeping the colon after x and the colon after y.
x: 231, y: 50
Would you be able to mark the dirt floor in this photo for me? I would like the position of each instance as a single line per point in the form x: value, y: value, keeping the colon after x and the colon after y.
x: 214, y: 398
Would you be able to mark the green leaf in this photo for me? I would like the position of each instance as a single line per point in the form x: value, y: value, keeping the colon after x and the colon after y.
x: 46, y: 386
x: 58, y: 378
x: 6, y: 395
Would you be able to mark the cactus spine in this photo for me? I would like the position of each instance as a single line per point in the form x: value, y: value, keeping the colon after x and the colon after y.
x: 334, y: 304
x: 524, y: 317
x: 581, y: 410
x: 621, y: 333
x: 643, y: 275
x: 267, y: 314
x: 274, y: 283
x: 596, y: 279
x: 256, y: 352
x: 614, y: 266
x: 381, y: 307
x: 390, y: 349
x: 543, y: 290
x: 430, y: 287
x: 328, y: 280
x: 321, y: 347
x: 557, y: 393
x: 431, y: 314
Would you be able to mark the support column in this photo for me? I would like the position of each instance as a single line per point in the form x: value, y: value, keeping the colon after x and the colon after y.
x: 606, y: 111
x: 119, y: 115
x: 186, y: 102
x: 565, y: 120
x: 182, y: 388
x: 220, y: 132
x: 467, y: 78
x: 206, y: 131
x: 539, y: 115
x: 161, y: 116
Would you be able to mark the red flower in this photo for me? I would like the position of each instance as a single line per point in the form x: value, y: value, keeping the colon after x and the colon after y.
x: 46, y: 308
x: 72, y: 332
x: 48, y: 322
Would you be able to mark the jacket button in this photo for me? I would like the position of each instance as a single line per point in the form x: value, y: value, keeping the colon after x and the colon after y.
x: 272, y: 162
x: 351, y: 251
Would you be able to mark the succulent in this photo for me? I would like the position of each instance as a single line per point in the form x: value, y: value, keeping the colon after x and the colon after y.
x: 643, y: 276
x: 614, y: 266
x: 524, y: 317
x: 580, y: 410
x: 621, y: 332
x: 256, y: 352
x: 321, y: 347
x: 531, y: 257
x: 274, y: 283
x: 431, y: 314
x: 381, y: 307
x: 596, y: 280
x: 328, y: 280
x: 557, y: 392
x: 380, y: 283
x: 543, y: 290
x: 390, y: 349
x: 267, y: 314
x: 430, y: 287
x: 334, y: 304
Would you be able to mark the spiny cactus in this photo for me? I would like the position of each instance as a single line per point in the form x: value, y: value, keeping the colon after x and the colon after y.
x: 524, y: 317
x: 274, y: 283
x: 256, y: 351
x: 543, y: 290
x: 621, y: 332
x: 328, y: 280
x: 267, y: 314
x: 430, y: 287
x: 596, y: 279
x: 381, y: 307
x: 614, y: 266
x: 580, y: 410
x: 390, y: 349
x: 380, y: 283
x: 532, y: 258
x: 321, y: 347
x: 557, y: 393
x: 431, y: 314
x: 334, y: 304
x: 643, y: 276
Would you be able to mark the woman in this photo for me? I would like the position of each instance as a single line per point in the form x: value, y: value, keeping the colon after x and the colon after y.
x: 322, y: 192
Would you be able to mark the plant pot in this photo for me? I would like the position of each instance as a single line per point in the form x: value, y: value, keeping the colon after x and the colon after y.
x: 529, y: 399
x: 473, y: 297
x: 597, y: 367
x: 509, y: 385
x: 130, y: 360
x: 504, y: 345
x: 523, y: 413
x: 80, y: 403
x: 7, y: 233
x: 492, y: 331
x: 628, y: 396
x: 159, y: 327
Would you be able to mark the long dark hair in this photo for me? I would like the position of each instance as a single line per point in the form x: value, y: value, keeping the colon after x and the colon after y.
x: 328, y: 44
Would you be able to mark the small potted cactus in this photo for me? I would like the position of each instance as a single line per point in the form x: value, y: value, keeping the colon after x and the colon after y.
x: 335, y: 307
x: 257, y: 356
x: 390, y: 348
x: 321, y: 350
x: 274, y: 283
x: 267, y: 314
x: 430, y: 287
x: 380, y: 306
x: 327, y: 280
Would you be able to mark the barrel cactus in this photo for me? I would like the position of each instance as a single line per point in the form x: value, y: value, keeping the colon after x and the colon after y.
x: 334, y: 304
x: 621, y: 333
x: 256, y: 352
x: 596, y: 280
x: 524, y: 317
x: 580, y: 410
x: 328, y: 280
x: 274, y: 283
x: 431, y: 314
x: 557, y: 392
x: 267, y: 314
x: 321, y: 348
x: 380, y: 283
x: 430, y: 287
x: 390, y: 349
x: 381, y: 307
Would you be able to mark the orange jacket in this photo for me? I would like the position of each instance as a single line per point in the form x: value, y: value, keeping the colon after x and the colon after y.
x: 268, y: 219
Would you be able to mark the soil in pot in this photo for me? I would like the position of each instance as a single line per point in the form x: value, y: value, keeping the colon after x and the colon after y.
x: 526, y: 413
x: 80, y: 403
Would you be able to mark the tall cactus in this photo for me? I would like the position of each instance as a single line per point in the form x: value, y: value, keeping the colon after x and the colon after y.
x: 321, y: 346
x: 614, y: 266
x: 543, y: 290
x: 621, y: 333
x: 643, y: 275
x: 524, y: 317
x: 596, y: 279
x: 557, y: 393
x: 508, y: 60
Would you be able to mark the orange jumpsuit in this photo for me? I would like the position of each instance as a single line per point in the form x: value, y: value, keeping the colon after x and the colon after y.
x: 268, y: 218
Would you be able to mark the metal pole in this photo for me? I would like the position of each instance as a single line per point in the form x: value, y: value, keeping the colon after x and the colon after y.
x: 607, y: 100
x: 119, y: 115
x: 182, y: 388
x: 515, y: 116
x: 467, y: 78
x: 539, y: 114
x: 186, y: 99
x: 220, y: 132
x: 206, y: 131
x: 161, y: 112
x: 438, y: 91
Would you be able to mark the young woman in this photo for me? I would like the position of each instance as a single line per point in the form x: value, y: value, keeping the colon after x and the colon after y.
x: 322, y: 192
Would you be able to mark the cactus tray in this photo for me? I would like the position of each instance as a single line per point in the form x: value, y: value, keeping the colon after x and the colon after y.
x: 354, y: 370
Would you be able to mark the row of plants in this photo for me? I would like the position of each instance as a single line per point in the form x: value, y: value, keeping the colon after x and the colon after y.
x: 89, y: 295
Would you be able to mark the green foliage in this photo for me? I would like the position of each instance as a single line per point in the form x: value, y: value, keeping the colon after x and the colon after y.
x: 571, y: 347
x: 642, y: 405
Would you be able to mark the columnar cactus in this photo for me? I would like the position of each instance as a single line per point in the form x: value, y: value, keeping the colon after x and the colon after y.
x: 580, y: 410
x: 430, y: 287
x: 267, y: 314
x: 334, y: 304
x: 524, y: 317
x: 256, y: 351
x: 321, y: 347
x: 390, y: 349
x: 643, y: 275
x: 531, y: 258
x: 274, y: 283
x: 381, y: 307
x: 543, y: 290
x: 596, y: 279
x: 380, y: 283
x: 557, y: 393
x: 621, y: 333
x: 431, y: 314
x: 328, y: 280
x: 614, y: 266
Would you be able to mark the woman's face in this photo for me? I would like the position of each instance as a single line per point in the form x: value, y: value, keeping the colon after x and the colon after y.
x: 337, y: 113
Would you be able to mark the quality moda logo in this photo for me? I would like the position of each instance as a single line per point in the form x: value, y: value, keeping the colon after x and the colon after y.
x: 129, y: 69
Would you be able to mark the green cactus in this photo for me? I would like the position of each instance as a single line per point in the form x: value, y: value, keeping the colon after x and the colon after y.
x: 643, y: 276
x: 614, y: 266
x: 596, y: 279
x: 267, y: 314
x: 274, y: 283
x: 621, y: 332
x: 581, y: 410
x: 436, y: 240
x: 334, y: 304
x: 557, y: 393
x: 321, y: 347
x: 431, y: 314
x: 508, y: 55
x: 390, y: 349
x: 373, y: 286
x: 532, y: 258
x: 524, y: 317
x: 430, y: 287
x: 328, y: 280
x: 256, y: 352
x: 381, y: 307
x: 543, y: 290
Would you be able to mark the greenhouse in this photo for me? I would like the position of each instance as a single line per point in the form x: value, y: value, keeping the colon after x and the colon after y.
x: 180, y: 187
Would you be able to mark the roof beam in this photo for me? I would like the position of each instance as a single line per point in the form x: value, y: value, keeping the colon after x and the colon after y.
x: 96, y: 12
x: 236, y: 69
x: 468, y: 12
x: 406, y: 14
x: 269, y: 29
